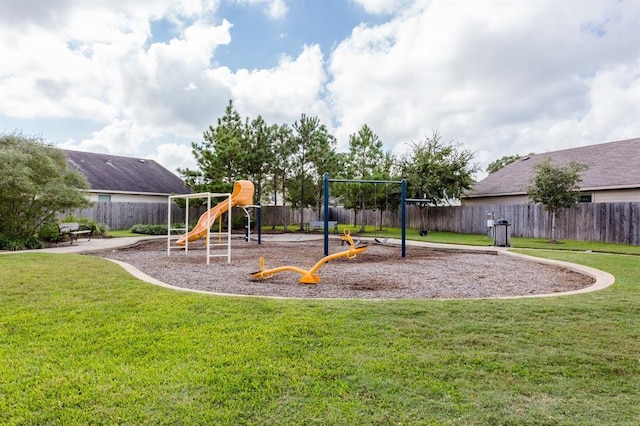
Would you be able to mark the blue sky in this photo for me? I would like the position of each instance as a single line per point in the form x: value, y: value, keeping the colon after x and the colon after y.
x: 145, y: 78
x: 322, y: 22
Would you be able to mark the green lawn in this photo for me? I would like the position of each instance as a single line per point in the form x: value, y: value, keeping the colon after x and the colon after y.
x: 516, y: 242
x: 83, y: 342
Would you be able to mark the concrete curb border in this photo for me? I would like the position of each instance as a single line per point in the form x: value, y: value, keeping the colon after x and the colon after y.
x: 602, y: 279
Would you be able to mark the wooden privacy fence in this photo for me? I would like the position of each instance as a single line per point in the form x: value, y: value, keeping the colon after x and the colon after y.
x: 122, y: 215
x: 604, y: 222
x: 125, y: 215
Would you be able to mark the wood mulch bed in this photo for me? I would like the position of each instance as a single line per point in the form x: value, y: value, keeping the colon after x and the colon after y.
x: 378, y: 273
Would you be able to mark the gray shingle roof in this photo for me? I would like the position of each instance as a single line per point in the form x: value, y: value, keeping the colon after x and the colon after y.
x: 106, y: 172
x: 611, y: 165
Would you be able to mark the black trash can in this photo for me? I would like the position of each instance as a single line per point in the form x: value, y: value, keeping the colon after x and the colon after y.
x: 501, y: 233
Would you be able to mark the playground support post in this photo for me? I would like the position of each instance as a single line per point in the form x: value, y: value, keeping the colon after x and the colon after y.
x: 247, y: 228
x: 259, y: 222
x: 403, y: 209
x: 325, y: 180
x: 208, y: 196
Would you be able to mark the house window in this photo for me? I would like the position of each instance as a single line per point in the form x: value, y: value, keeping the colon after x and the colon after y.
x: 586, y: 198
x: 104, y: 197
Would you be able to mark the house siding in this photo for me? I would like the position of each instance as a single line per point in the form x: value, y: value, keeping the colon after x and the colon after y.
x: 507, y: 199
x: 613, y: 196
x: 603, y: 196
x: 128, y: 198
x: 612, y: 174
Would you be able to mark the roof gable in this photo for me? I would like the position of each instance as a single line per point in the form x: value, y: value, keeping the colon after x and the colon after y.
x: 125, y: 174
x: 611, y: 165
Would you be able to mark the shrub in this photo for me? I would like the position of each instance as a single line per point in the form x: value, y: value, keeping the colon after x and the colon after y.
x: 37, y: 182
x: 149, y: 229
x: 238, y: 223
x: 33, y: 243
x: 13, y: 243
x: 49, y: 232
x: 98, y: 229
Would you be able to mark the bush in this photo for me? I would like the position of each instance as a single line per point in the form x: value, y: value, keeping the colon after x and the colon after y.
x: 238, y: 223
x: 97, y: 228
x: 33, y: 243
x: 37, y: 182
x: 12, y: 243
x: 149, y: 229
x: 49, y: 232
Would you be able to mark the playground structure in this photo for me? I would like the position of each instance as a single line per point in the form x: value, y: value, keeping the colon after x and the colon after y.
x: 311, y: 276
x: 242, y: 196
x: 403, y: 208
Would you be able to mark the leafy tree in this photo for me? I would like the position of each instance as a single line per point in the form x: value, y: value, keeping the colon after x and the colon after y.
x: 227, y: 140
x: 387, y: 198
x: 325, y: 160
x: 498, y: 164
x: 219, y: 156
x: 314, y: 155
x: 437, y: 171
x: 283, y: 146
x: 35, y: 184
x: 299, y: 198
x: 556, y: 187
x: 365, y: 160
x: 256, y: 145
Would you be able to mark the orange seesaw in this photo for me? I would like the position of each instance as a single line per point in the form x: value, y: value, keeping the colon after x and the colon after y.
x: 311, y: 276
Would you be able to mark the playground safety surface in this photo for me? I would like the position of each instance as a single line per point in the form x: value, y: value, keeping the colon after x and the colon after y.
x: 378, y: 273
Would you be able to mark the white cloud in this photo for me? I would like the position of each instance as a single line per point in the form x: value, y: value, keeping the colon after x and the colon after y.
x: 275, y: 9
x: 615, y: 98
x: 195, y: 48
x: 278, y: 9
x: 121, y: 137
x: 382, y: 6
x: 282, y: 93
x: 502, y: 83
x: 173, y: 156
x: 501, y: 77
x: 84, y: 67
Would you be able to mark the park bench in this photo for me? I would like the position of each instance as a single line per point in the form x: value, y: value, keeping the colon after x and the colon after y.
x: 319, y: 225
x: 73, y: 230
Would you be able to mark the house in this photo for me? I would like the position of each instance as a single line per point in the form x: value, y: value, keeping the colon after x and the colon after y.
x: 125, y: 179
x: 613, y: 175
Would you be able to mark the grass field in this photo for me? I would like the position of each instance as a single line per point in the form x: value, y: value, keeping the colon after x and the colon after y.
x: 83, y: 342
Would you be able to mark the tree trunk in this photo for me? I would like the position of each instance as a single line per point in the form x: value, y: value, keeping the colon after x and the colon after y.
x: 284, y: 204
x: 319, y: 193
x: 275, y: 201
x: 553, y: 227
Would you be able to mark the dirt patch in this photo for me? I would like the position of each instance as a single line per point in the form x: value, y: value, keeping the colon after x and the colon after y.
x: 378, y: 273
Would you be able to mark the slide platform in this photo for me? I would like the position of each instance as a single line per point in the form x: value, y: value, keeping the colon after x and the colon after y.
x: 242, y: 195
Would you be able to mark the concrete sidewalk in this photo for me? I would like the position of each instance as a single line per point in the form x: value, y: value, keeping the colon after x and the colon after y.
x: 84, y: 246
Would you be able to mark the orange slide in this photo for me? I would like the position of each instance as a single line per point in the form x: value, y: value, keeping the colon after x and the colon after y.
x: 242, y: 195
